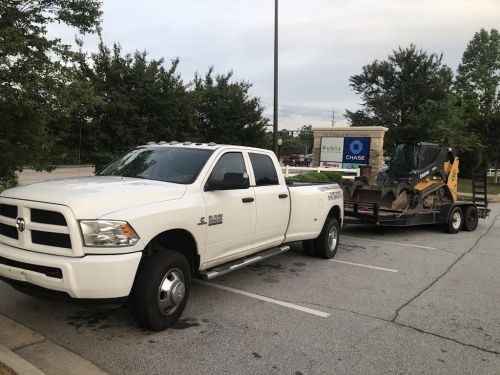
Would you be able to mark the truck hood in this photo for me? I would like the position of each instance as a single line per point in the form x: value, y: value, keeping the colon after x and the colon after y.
x: 96, y: 196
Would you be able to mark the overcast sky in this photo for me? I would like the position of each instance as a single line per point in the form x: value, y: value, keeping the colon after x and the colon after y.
x: 322, y: 42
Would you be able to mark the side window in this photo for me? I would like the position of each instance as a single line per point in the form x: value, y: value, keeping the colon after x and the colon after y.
x: 264, y: 170
x: 232, y: 162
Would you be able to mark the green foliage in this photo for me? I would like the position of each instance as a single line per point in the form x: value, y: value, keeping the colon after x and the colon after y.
x: 333, y: 176
x: 478, y: 83
x: 306, y: 136
x: 33, y: 69
x: 479, y: 72
x: 394, y: 91
x: 1, y: 188
x: 224, y: 111
x: 317, y: 177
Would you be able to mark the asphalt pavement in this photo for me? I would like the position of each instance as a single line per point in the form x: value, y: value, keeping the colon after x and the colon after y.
x: 393, y: 300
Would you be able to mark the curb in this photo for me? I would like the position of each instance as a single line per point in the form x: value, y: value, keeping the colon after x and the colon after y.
x: 12, y: 364
x: 23, y: 351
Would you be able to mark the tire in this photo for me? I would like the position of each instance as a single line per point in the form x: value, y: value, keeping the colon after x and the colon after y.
x: 159, y: 309
x: 471, y: 218
x: 325, y: 246
x: 308, y: 247
x: 455, y: 220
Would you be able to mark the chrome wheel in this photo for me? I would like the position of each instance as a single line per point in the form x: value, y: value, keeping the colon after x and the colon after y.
x: 171, y: 292
x: 332, y: 238
x: 456, y: 220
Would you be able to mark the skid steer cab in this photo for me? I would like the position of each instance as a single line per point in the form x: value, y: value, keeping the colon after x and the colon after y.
x: 420, y: 187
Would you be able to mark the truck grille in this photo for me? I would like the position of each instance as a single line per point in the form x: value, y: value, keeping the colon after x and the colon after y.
x: 8, y: 210
x: 51, y: 239
x: 48, y: 227
x: 47, y: 217
x: 9, y: 231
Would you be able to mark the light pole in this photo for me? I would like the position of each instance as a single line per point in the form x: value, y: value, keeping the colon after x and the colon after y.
x: 275, y: 107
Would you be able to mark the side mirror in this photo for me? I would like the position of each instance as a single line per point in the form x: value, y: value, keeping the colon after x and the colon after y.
x: 231, y: 181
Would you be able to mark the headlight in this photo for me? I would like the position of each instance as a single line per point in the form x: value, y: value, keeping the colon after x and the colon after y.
x: 108, y: 233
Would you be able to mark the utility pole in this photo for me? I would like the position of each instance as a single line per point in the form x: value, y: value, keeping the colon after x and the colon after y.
x: 275, y: 110
x: 333, y: 118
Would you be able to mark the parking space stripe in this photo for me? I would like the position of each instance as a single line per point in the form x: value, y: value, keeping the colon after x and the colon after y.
x: 391, y: 243
x: 364, y: 265
x: 266, y: 299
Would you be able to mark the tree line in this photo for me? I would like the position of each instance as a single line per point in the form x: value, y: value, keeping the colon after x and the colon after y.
x: 62, y: 105
x: 419, y: 98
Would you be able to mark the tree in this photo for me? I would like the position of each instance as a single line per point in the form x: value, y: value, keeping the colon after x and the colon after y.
x: 395, y: 90
x: 478, y: 82
x: 306, y: 136
x: 32, y: 69
x: 225, y: 112
x: 137, y: 100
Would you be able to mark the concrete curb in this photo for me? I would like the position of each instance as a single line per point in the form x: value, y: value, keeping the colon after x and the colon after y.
x: 15, y: 364
x: 27, y: 352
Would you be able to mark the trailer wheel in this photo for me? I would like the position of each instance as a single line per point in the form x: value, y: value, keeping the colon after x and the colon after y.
x: 455, y: 220
x: 471, y: 218
x: 308, y: 247
x: 161, y: 290
x: 325, y: 246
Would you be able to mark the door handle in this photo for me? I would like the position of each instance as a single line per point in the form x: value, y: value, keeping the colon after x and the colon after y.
x: 247, y: 200
x: 283, y: 196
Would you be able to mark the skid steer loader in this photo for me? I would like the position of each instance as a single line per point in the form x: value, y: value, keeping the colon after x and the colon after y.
x: 419, y: 187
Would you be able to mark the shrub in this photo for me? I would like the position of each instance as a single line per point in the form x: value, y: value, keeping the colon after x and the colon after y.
x: 328, y: 176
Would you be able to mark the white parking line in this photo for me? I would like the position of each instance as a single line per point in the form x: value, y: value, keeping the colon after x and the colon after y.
x: 391, y: 243
x: 266, y: 299
x: 364, y: 265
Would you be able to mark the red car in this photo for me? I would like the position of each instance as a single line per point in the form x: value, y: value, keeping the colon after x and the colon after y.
x: 297, y: 161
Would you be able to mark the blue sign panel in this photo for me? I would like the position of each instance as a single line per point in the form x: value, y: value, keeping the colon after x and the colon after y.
x: 356, y: 150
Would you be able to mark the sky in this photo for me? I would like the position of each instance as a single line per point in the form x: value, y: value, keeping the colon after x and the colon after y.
x: 321, y: 42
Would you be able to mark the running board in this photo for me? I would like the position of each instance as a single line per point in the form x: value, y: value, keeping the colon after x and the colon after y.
x: 240, y: 263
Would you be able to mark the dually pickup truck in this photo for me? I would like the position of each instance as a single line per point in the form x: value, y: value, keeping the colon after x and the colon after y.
x: 140, y: 228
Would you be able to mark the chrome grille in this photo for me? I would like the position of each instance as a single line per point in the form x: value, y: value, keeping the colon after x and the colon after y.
x: 49, y: 228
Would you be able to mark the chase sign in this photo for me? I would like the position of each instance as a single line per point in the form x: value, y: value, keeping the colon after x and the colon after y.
x: 350, y: 151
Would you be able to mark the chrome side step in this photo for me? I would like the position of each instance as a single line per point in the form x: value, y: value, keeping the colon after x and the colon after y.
x: 240, y: 263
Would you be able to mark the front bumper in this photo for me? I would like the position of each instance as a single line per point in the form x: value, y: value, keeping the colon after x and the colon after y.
x: 88, y: 277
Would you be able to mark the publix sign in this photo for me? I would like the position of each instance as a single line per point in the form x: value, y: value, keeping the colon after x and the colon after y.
x: 351, y: 152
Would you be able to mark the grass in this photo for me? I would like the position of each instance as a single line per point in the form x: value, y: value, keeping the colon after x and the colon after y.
x: 465, y: 186
x: 1, y: 188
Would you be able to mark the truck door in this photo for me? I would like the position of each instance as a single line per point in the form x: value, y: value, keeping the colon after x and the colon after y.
x: 272, y: 202
x: 230, y: 208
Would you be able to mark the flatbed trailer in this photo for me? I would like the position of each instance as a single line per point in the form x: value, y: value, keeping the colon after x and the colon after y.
x: 453, y: 215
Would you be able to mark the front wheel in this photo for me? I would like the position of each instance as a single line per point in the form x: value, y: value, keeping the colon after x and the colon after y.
x: 327, y: 243
x: 161, y: 290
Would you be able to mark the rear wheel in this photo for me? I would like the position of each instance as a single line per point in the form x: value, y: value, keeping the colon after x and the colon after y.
x: 325, y: 246
x: 161, y: 290
x: 471, y: 218
x: 455, y: 220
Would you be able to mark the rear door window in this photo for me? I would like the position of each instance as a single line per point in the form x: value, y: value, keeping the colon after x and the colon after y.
x: 264, y: 170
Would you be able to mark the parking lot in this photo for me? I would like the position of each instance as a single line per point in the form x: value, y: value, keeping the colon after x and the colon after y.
x: 393, y: 300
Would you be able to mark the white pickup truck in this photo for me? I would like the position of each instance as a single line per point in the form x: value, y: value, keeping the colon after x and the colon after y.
x: 150, y: 220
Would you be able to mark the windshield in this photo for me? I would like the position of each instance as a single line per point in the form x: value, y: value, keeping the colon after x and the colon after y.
x: 170, y: 164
